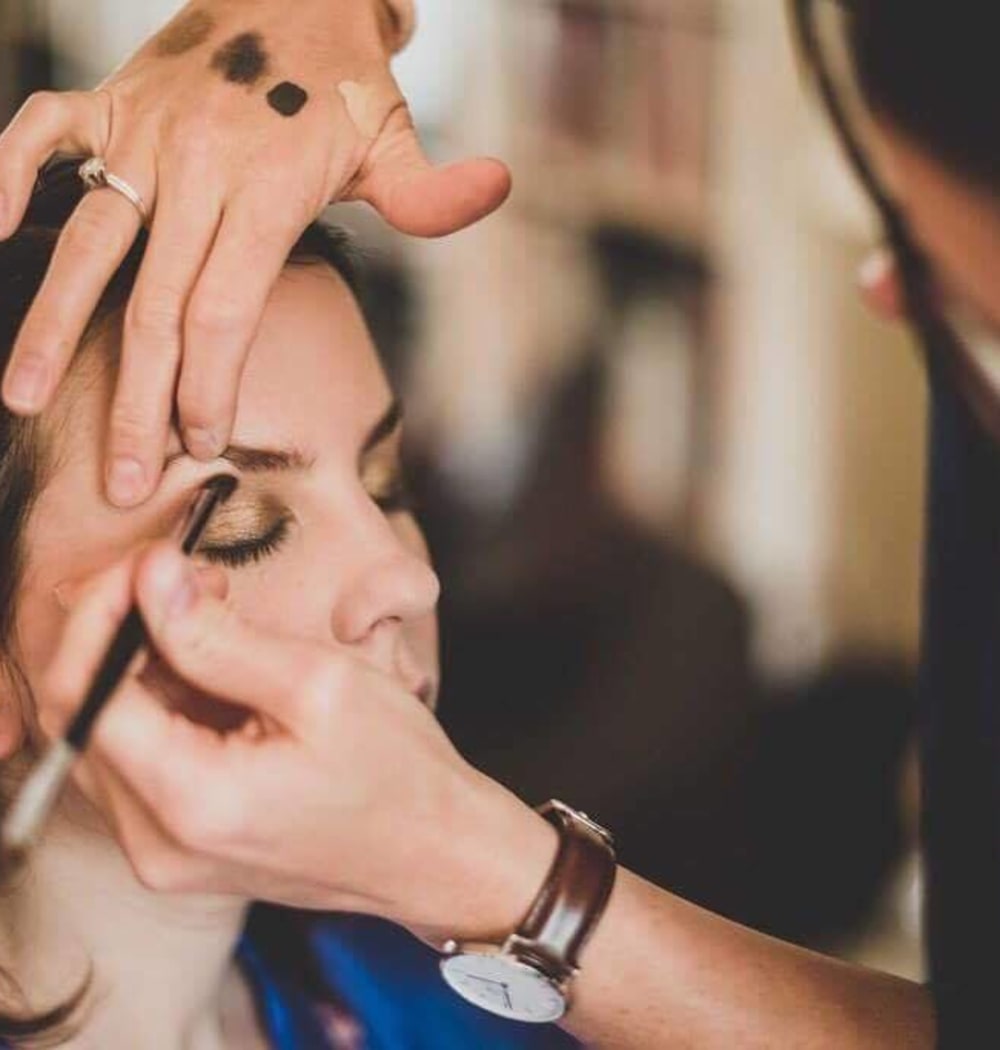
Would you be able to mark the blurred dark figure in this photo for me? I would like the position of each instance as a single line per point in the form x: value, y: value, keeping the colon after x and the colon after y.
x: 828, y: 809
x: 587, y: 659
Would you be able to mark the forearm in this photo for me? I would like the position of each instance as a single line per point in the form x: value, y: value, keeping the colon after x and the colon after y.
x: 661, y: 972
x: 658, y: 971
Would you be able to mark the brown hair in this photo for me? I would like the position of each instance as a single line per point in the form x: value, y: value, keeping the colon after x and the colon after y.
x: 931, y: 70
x: 24, y: 261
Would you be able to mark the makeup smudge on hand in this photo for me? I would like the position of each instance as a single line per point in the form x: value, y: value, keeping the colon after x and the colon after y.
x: 287, y: 98
x: 185, y: 34
x: 242, y: 60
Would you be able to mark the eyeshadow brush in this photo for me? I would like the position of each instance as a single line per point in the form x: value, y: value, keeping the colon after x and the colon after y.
x: 39, y: 792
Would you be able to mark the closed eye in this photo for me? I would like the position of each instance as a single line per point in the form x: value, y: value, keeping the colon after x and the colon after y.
x: 249, y: 550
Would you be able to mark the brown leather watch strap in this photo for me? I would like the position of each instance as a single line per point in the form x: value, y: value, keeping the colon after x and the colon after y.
x: 573, y: 898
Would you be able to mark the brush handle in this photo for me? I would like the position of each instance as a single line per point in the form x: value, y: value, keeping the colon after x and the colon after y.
x: 38, y: 794
x: 131, y: 637
x: 24, y: 821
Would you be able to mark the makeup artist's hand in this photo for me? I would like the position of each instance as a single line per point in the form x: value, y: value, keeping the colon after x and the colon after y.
x: 340, y: 793
x: 236, y: 124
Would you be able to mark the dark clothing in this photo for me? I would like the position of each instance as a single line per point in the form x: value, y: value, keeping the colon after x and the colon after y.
x: 960, y: 725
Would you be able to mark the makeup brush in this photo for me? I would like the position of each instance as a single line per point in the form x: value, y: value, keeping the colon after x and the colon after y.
x: 39, y: 792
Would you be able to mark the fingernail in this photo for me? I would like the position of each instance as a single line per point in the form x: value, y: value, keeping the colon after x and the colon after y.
x: 202, y: 442
x: 126, y: 481
x: 875, y: 268
x: 27, y: 384
x: 176, y: 586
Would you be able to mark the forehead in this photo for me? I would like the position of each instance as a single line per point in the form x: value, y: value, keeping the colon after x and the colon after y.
x: 312, y: 382
x: 312, y: 376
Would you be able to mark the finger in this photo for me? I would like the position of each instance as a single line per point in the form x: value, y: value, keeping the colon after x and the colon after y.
x: 224, y: 314
x: 881, y: 287
x: 75, y: 122
x: 419, y: 199
x: 212, y: 649
x: 167, y: 761
x: 187, y: 219
x: 211, y: 577
x: 91, y: 247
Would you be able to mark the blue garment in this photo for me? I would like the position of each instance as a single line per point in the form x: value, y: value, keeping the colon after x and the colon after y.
x: 388, y: 981
x: 960, y: 725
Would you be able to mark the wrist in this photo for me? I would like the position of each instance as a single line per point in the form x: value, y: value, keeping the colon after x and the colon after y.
x: 497, y: 865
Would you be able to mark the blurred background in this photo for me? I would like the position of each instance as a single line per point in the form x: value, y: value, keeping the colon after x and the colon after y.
x: 670, y: 470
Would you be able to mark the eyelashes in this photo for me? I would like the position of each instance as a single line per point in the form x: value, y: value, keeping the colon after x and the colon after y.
x: 397, y: 498
x: 251, y: 550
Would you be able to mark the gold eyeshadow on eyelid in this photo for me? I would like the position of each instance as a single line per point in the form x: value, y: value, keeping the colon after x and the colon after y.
x: 243, y: 519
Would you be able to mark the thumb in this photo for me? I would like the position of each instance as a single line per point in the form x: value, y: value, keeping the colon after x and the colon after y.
x: 420, y: 199
x: 209, y: 647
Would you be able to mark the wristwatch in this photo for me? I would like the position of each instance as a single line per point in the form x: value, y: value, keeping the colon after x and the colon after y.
x: 528, y: 977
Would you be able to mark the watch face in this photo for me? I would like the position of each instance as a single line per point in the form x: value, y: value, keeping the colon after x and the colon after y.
x: 504, y: 986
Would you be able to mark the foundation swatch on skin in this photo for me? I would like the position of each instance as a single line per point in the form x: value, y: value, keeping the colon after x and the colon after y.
x: 362, y: 107
x: 185, y: 34
x: 242, y: 60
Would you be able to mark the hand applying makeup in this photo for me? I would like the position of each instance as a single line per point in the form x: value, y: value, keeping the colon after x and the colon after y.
x: 339, y: 791
x: 236, y: 124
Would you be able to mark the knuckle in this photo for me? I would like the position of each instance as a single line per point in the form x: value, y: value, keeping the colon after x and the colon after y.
x: 154, y: 312
x: 217, y: 316
x: 207, y: 400
x: 131, y: 426
x: 43, y: 105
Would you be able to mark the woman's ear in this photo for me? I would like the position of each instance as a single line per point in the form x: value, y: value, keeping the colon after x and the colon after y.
x: 11, y: 713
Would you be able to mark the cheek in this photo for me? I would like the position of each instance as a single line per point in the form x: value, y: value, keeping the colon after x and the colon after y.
x: 279, y: 596
x: 422, y: 639
x: 422, y: 633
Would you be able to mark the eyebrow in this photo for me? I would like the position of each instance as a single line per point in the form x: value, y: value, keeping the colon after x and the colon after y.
x: 264, y: 460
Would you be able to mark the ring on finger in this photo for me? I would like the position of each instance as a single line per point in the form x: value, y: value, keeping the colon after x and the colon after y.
x: 96, y: 176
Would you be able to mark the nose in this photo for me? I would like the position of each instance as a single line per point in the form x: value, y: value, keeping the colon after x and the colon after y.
x: 392, y: 583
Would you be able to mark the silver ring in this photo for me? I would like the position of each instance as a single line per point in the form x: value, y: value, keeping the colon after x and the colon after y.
x: 95, y: 175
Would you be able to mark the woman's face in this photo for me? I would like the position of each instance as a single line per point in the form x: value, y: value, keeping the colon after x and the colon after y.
x: 316, y: 542
x: 956, y: 223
